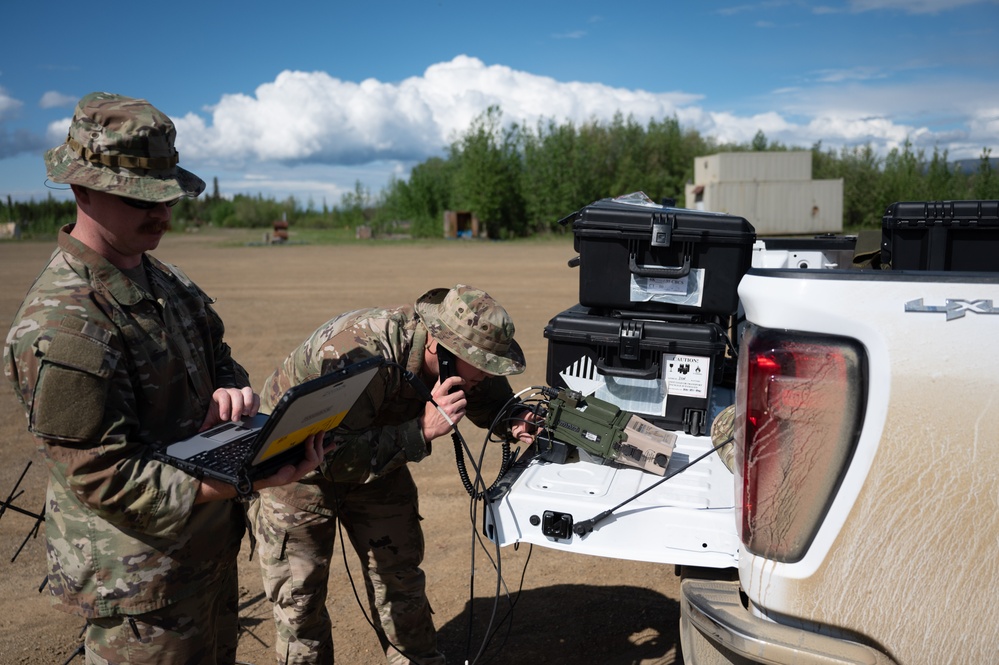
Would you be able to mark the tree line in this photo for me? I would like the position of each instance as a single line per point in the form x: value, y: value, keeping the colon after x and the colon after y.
x: 520, y: 180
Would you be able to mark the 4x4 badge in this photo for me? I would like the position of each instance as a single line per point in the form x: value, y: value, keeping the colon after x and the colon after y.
x: 955, y: 309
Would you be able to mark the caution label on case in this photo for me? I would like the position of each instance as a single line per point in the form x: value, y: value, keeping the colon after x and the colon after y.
x: 686, y: 375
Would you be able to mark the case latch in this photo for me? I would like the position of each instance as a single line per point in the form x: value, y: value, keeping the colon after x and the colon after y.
x: 662, y: 230
x: 630, y: 340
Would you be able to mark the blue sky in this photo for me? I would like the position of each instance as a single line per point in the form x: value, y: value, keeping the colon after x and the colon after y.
x: 305, y: 99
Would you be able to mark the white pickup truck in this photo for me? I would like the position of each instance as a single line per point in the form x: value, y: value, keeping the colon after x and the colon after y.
x: 861, y: 523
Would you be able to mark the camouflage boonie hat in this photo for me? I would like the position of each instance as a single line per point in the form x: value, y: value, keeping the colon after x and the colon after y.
x: 474, y: 327
x: 122, y: 146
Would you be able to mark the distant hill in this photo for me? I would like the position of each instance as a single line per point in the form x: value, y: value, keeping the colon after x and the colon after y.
x: 971, y: 165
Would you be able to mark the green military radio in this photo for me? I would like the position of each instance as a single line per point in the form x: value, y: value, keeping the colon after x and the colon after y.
x: 604, y: 430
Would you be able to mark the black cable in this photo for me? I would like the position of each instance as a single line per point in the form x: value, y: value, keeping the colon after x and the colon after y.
x: 493, y: 626
x: 346, y: 566
x: 477, y: 490
x: 586, y: 526
x: 459, y: 458
x: 460, y: 446
x: 474, y: 497
x: 507, y: 457
x: 507, y: 618
x: 338, y: 516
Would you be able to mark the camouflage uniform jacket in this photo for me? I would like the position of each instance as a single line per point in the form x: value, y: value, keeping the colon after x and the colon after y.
x: 105, y: 372
x: 382, y: 431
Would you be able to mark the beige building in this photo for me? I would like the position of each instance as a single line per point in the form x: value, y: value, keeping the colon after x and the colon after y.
x: 773, y: 190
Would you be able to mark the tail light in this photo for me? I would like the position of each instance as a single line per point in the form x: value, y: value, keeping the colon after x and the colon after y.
x: 801, y: 399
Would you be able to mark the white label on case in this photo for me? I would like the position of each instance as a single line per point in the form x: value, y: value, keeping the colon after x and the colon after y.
x: 686, y: 375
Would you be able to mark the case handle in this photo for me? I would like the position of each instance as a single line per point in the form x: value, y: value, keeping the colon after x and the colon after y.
x: 671, y: 272
x: 650, y: 372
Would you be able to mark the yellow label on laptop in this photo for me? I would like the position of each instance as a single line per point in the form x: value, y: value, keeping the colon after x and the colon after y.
x: 279, y: 445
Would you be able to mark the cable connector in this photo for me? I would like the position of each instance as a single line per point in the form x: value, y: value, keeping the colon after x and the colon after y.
x: 586, y: 526
x: 417, y: 385
x: 424, y: 392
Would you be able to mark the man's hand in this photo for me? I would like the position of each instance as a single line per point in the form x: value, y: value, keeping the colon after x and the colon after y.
x: 433, y: 423
x: 216, y: 490
x: 314, y: 453
x: 231, y: 404
x: 525, y: 425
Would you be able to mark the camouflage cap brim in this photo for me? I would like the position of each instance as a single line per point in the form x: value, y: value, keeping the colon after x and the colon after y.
x: 66, y: 167
x: 474, y: 327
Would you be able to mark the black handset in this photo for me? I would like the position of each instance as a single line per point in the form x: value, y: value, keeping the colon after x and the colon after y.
x: 446, y: 363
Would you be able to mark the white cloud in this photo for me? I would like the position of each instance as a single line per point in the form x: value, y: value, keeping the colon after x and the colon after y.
x: 912, y: 6
x: 313, y: 117
x: 730, y: 128
x: 315, y: 135
x: 53, y: 99
x: 8, y: 105
x: 56, y: 131
x: 861, y: 73
x: 858, y: 130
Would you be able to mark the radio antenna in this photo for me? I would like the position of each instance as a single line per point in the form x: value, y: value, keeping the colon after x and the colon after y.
x: 9, y: 503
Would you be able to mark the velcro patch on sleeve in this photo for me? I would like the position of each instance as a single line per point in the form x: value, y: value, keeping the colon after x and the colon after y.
x: 73, y: 382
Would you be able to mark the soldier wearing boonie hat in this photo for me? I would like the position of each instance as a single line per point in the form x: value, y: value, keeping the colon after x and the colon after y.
x: 366, y: 483
x: 111, y: 354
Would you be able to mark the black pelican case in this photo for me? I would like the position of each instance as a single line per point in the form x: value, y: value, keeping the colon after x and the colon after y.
x: 646, y: 360
x: 941, y: 235
x: 650, y: 257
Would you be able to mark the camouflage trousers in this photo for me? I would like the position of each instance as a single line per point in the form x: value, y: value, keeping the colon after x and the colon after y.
x: 199, y: 630
x: 382, y: 521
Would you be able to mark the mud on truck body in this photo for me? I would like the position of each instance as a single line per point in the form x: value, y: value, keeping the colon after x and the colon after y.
x: 853, y: 517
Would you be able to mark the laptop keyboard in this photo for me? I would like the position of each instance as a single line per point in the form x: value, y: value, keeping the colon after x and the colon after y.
x: 227, y: 458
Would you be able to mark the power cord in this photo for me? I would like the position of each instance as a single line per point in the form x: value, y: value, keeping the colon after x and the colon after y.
x: 586, y: 526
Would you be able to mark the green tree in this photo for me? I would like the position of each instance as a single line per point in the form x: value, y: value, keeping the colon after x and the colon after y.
x: 353, y: 205
x: 487, y: 175
x: 759, y: 143
x: 939, y: 178
x: 629, y: 154
x: 985, y: 184
x: 903, y: 179
x: 223, y: 213
x: 554, y: 174
x: 861, y: 172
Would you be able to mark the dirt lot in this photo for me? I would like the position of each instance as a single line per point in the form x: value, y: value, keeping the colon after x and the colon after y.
x: 571, y: 609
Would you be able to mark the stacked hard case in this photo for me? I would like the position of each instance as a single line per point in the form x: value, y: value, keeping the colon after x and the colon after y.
x: 661, y: 370
x: 940, y: 235
x: 657, y: 290
x: 654, y: 258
